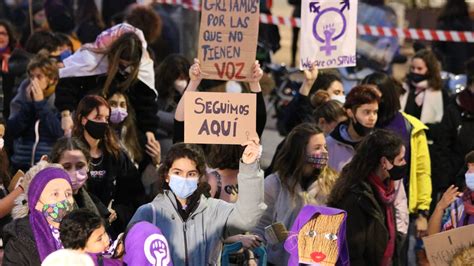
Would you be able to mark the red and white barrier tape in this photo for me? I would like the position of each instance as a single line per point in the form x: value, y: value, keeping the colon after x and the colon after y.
x: 366, y: 30
x: 417, y: 34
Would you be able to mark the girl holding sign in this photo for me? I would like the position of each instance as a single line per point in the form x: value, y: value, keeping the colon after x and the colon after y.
x: 196, y: 76
x: 192, y: 222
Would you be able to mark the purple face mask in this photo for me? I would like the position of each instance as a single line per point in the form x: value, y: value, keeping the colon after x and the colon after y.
x: 117, y: 115
x: 78, y: 178
x: 318, y: 159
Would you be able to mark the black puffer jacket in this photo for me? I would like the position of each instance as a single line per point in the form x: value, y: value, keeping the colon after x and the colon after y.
x: 19, y: 243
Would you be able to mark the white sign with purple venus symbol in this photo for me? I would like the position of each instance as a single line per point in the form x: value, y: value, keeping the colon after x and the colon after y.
x: 156, y: 250
x: 328, y: 33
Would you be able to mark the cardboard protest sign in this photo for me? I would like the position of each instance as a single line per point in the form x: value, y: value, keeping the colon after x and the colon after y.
x: 228, y: 38
x: 328, y: 33
x: 441, y: 247
x: 219, y: 118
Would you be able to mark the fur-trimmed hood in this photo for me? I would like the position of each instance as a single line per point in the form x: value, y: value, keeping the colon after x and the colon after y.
x: 20, y: 208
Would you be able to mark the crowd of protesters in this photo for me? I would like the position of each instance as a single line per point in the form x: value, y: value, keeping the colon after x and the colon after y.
x: 93, y: 168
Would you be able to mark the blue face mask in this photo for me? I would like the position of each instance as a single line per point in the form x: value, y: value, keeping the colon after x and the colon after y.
x: 65, y: 54
x: 470, y: 181
x: 183, y: 187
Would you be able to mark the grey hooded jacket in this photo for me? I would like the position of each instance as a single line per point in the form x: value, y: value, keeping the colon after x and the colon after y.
x: 198, y: 240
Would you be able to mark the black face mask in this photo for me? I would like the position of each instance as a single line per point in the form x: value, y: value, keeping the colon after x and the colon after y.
x: 360, y: 129
x: 416, y: 78
x: 123, y: 70
x: 96, y: 129
x: 398, y: 171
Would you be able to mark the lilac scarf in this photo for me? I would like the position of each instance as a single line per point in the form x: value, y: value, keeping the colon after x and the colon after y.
x: 145, y: 245
x: 45, y: 241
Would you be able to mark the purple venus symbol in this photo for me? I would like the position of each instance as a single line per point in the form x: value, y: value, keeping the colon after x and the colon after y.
x: 329, y: 30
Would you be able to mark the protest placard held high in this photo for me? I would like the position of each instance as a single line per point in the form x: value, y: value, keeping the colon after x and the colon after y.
x: 228, y: 38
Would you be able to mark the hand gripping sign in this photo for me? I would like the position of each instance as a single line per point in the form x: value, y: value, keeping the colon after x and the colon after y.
x: 328, y: 33
x: 219, y: 118
x: 228, y: 38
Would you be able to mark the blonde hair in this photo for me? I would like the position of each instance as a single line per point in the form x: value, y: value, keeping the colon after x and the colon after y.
x: 318, y: 192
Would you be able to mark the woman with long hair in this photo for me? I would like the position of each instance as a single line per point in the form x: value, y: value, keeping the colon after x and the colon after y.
x: 116, y: 62
x: 123, y: 121
x: 365, y: 190
x: 301, y: 177
x: 425, y: 99
x: 113, y: 178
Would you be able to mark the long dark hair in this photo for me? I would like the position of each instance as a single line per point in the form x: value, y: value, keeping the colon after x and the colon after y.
x: 174, y: 66
x: 389, y: 104
x: 130, y: 138
x: 68, y: 144
x: 182, y: 150
x: 110, y: 143
x: 291, y: 160
x: 12, y: 41
x: 380, y: 143
x: 434, y: 68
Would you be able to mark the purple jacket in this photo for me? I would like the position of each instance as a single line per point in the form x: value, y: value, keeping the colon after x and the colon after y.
x: 305, y: 215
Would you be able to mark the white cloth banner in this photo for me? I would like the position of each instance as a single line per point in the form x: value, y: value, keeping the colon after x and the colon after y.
x: 328, y: 33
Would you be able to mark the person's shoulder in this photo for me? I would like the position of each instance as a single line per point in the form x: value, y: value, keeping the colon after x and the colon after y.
x: 272, y: 180
x: 18, y: 229
x: 415, y: 122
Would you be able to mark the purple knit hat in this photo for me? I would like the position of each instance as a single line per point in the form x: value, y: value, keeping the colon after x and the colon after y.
x: 304, y: 216
x: 45, y: 242
x: 145, y: 244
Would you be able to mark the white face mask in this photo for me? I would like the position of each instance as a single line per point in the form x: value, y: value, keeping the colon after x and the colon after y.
x: 340, y: 98
x: 233, y: 87
x: 2, y: 143
x: 470, y: 181
x: 180, y: 85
